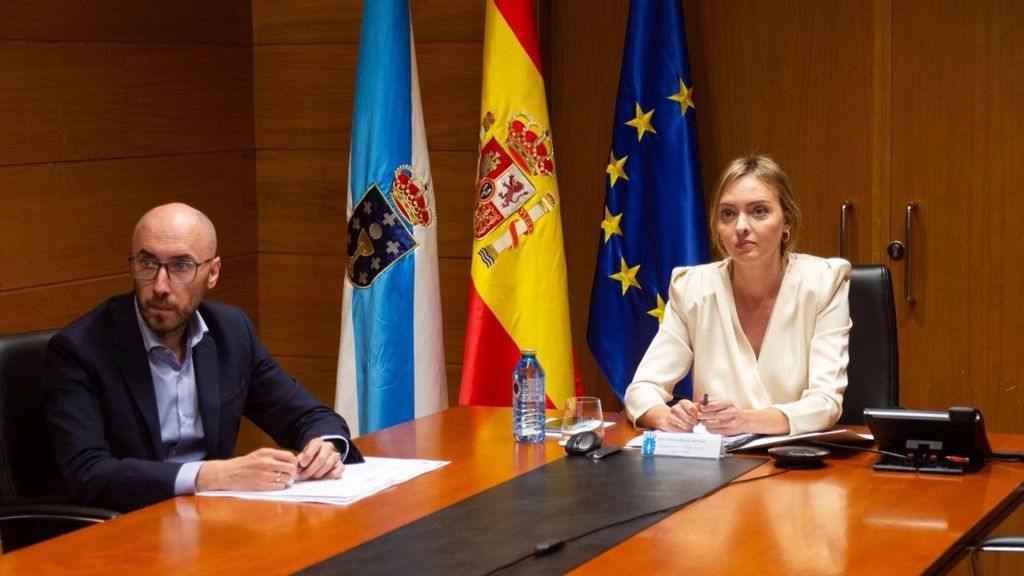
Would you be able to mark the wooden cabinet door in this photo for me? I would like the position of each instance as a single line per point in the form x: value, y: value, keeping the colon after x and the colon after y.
x: 793, y: 79
x: 957, y: 149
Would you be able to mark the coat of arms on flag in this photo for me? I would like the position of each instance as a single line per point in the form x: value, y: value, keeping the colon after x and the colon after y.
x: 379, y: 234
x: 505, y: 187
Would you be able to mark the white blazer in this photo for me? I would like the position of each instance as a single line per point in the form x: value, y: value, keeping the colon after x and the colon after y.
x: 802, y: 367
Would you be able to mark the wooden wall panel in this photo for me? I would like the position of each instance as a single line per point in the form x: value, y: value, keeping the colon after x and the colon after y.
x: 302, y: 200
x: 454, y: 175
x: 198, y: 21
x: 450, y: 82
x: 303, y: 95
x: 454, y: 303
x: 585, y: 40
x: 300, y: 303
x: 237, y: 286
x: 88, y: 101
x: 93, y: 207
x: 53, y: 306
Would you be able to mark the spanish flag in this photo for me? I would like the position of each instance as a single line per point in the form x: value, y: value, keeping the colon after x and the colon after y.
x: 518, y: 296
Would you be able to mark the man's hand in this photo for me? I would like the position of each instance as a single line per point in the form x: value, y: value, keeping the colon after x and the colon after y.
x: 264, y: 469
x: 318, y: 460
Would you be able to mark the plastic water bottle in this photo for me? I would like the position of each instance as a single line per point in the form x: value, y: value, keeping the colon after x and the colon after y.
x: 528, y: 399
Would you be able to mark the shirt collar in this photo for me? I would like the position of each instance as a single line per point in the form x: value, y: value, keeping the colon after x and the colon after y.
x: 194, y: 333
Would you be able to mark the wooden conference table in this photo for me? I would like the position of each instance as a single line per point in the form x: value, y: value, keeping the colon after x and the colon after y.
x: 844, y: 518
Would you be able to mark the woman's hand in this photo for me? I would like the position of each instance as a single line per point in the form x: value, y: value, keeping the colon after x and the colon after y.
x: 683, y: 416
x: 679, y: 418
x: 720, y: 416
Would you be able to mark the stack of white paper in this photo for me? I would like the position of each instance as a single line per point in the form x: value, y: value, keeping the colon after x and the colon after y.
x: 358, y: 481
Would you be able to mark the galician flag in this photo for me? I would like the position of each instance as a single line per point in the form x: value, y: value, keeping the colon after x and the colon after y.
x: 391, y: 362
x: 518, y: 295
x: 654, y: 208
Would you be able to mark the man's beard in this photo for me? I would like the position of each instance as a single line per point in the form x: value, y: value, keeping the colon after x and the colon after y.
x: 164, y: 322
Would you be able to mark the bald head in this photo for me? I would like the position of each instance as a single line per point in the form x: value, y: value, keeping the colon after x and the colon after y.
x: 177, y: 224
x: 174, y: 240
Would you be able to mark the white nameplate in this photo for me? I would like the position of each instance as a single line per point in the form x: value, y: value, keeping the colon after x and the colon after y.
x: 682, y: 444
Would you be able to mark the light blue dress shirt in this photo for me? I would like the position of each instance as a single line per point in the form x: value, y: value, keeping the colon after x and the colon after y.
x: 177, y: 401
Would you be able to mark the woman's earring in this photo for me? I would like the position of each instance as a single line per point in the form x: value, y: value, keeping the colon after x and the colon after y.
x: 785, y: 237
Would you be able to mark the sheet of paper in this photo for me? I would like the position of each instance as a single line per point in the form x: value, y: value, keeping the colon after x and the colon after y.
x: 358, y: 481
x: 838, y: 435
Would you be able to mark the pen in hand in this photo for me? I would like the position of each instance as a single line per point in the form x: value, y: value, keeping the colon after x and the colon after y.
x: 699, y: 427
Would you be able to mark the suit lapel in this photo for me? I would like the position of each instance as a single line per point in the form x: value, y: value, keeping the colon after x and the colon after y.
x: 204, y: 361
x: 133, y: 362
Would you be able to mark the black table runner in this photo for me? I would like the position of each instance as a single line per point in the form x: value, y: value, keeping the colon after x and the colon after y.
x: 558, y: 501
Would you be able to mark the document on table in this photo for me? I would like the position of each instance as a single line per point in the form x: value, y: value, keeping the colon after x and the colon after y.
x: 358, y: 481
x: 837, y: 435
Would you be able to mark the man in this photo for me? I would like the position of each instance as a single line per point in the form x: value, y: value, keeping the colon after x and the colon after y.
x: 145, y: 394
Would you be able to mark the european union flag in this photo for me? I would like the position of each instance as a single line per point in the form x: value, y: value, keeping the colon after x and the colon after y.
x: 654, y: 210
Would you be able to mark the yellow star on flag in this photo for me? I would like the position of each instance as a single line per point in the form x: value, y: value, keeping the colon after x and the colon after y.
x: 659, y: 311
x: 615, y: 168
x: 684, y: 97
x: 626, y: 275
x: 642, y: 122
x: 610, y: 224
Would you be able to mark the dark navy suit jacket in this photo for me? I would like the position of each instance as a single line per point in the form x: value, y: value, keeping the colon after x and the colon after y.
x: 102, y: 409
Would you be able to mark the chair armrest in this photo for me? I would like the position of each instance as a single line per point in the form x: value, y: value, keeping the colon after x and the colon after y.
x: 83, y: 514
x: 1003, y: 544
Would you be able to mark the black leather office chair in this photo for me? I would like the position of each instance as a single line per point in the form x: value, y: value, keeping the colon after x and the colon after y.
x: 874, y: 371
x: 33, y: 504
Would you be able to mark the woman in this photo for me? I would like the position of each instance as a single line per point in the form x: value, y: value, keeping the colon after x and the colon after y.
x: 765, y: 330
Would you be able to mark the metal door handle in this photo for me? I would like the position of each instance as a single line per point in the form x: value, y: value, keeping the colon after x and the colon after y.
x: 844, y: 210
x: 907, y: 293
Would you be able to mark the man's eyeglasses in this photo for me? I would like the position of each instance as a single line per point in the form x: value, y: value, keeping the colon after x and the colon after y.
x: 182, y: 271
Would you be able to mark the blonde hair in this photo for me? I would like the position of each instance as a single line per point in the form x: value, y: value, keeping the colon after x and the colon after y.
x: 768, y: 171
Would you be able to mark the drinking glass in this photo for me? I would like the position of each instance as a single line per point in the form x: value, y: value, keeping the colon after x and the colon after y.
x: 582, y: 413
